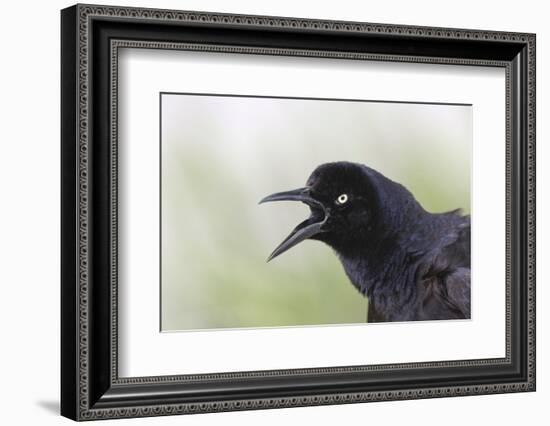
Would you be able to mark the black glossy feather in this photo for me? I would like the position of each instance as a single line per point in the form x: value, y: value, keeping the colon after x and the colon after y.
x: 410, y: 263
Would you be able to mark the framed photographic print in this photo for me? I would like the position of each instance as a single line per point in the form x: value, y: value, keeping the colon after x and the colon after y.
x: 263, y: 212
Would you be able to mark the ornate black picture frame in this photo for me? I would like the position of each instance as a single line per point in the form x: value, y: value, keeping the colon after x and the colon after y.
x: 91, y: 387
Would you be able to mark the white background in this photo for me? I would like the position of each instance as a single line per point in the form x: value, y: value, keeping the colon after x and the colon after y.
x: 146, y: 352
x: 29, y: 229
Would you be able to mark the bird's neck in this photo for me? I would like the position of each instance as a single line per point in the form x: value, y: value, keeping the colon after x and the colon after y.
x: 383, y: 269
x: 387, y: 281
x: 382, y: 265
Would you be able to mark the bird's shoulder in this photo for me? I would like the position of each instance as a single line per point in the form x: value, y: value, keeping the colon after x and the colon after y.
x: 444, y: 271
x: 442, y: 240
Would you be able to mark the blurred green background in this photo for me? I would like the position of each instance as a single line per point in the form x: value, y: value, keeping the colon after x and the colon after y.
x: 221, y: 155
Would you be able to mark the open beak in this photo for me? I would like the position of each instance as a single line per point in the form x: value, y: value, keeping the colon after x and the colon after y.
x: 308, y: 228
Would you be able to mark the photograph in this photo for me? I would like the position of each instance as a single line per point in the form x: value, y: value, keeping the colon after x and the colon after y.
x: 280, y: 211
x: 274, y: 210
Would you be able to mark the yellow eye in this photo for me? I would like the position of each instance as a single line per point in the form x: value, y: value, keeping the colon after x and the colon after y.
x: 342, y: 199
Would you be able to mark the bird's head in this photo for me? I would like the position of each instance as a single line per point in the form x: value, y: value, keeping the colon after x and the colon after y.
x: 350, y: 204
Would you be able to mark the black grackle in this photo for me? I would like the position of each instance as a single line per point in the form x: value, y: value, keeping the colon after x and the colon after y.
x: 411, y: 264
